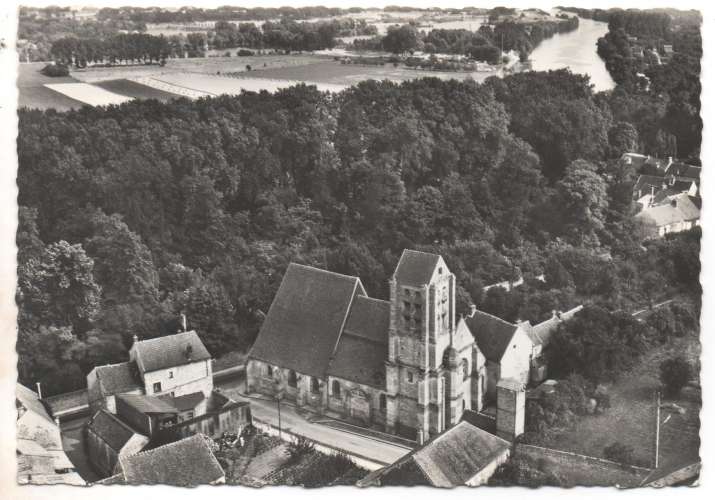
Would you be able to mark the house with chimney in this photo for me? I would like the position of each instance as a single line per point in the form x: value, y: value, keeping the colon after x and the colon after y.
x: 175, y: 365
x: 408, y: 365
x: 667, y: 193
x: 673, y: 214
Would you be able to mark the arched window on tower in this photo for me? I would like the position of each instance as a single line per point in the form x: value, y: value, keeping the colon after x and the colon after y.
x: 383, y: 402
x: 465, y: 368
x: 314, y: 385
x: 336, y: 389
x: 292, y: 379
x: 269, y: 370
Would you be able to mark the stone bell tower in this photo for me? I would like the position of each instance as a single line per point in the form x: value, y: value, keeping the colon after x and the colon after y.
x: 422, y: 320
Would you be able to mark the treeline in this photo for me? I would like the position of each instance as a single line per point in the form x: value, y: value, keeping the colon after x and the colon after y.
x: 284, y: 35
x: 36, y: 36
x: 192, y: 14
x: 132, y: 215
x: 485, y: 44
x: 123, y: 47
x: 670, y: 91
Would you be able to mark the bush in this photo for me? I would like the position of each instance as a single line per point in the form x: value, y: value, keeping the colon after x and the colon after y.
x: 299, y: 447
x: 674, y: 374
x: 619, y: 452
x: 244, y: 52
x: 248, y: 67
x: 54, y: 70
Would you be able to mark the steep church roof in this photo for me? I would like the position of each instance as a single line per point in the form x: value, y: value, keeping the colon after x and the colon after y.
x: 415, y: 268
x: 304, y: 322
x: 492, y: 334
x: 362, y: 349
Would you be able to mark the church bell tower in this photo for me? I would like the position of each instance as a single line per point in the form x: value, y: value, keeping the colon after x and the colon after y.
x: 422, y: 321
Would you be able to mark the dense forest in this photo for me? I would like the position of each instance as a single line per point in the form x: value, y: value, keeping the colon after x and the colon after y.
x: 131, y: 215
x: 668, y: 85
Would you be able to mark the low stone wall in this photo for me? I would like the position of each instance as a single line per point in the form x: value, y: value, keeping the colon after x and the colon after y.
x: 578, y: 469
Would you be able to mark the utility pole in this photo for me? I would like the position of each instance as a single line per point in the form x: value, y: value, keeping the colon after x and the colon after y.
x: 279, y: 396
x: 657, y: 429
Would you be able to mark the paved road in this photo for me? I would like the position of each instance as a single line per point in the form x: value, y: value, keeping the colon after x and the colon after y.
x: 366, y: 447
x: 73, y: 444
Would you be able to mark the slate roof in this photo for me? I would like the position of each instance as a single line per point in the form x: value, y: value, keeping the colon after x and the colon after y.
x: 172, y: 350
x: 683, y: 209
x: 110, y: 429
x: 304, y: 322
x: 492, y: 334
x: 188, y: 462
x: 415, y: 268
x: 121, y: 377
x: 362, y: 349
x: 449, y: 460
x: 147, y: 404
x: 68, y: 401
x: 645, y: 182
x: 186, y: 402
x: 541, y: 333
x: 683, y: 170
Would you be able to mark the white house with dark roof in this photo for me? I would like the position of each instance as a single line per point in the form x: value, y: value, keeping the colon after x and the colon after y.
x: 175, y: 365
x: 673, y: 214
x: 407, y: 365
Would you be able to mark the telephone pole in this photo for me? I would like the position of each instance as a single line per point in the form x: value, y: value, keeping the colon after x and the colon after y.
x: 657, y: 429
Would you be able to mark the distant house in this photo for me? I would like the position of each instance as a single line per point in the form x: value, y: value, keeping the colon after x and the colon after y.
x: 464, y: 455
x: 674, y: 214
x: 188, y: 462
x: 40, y: 456
x: 108, y: 439
x: 177, y: 365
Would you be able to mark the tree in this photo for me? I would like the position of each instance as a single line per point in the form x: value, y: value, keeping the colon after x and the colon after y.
x: 59, y: 289
x: 400, y: 39
x: 622, y: 138
x: 583, y: 199
x: 675, y: 373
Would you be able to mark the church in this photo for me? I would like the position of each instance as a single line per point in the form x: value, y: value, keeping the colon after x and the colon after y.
x: 409, y: 365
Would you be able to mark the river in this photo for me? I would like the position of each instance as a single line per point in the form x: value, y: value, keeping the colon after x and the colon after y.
x: 575, y: 50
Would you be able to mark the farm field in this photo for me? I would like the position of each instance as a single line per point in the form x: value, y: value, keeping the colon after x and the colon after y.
x: 208, y: 65
x: 633, y: 407
x: 32, y: 92
x: 218, y: 84
x: 199, y: 77
x: 135, y: 90
x: 333, y: 72
x: 88, y: 94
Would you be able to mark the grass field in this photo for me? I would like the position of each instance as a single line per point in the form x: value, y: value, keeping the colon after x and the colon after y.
x: 135, y: 90
x: 631, y: 418
x: 328, y: 71
x: 32, y: 92
x: 88, y: 94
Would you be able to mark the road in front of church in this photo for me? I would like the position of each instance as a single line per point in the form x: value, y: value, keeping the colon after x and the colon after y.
x: 367, y: 450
